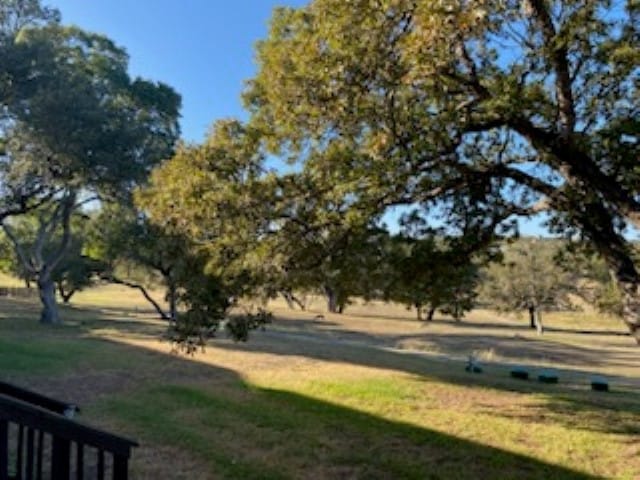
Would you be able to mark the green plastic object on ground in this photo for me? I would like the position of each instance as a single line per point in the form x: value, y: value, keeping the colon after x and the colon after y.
x: 599, y: 384
x: 548, y: 376
x: 520, y: 373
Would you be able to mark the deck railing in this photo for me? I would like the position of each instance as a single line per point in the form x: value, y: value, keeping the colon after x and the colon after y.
x: 37, y: 442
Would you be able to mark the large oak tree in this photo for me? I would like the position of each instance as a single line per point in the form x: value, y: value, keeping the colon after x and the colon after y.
x: 76, y: 127
x: 478, y: 111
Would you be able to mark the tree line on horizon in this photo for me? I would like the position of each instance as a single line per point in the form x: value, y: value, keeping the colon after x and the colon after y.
x: 467, y: 115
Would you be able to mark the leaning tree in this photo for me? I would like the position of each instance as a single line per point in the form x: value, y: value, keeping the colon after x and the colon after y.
x: 477, y: 111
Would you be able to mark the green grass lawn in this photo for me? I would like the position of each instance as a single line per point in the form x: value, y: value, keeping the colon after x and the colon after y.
x: 283, y: 408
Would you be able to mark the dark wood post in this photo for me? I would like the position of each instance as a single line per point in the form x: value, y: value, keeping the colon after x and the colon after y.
x: 60, y: 458
x: 120, y: 467
x: 4, y: 450
x: 79, y: 461
x: 100, y: 464
x: 20, y: 462
x: 30, y: 454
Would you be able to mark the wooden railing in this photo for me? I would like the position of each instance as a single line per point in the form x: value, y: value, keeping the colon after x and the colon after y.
x: 63, y: 408
x: 36, y: 443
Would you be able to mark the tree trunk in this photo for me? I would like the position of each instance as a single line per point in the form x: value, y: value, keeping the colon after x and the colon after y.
x: 41, y: 267
x: 617, y: 254
x: 599, y: 225
x: 332, y: 299
x: 532, y: 316
x: 142, y: 290
x: 299, y: 302
x: 631, y: 306
x: 537, y: 317
x: 287, y: 298
x: 291, y: 299
x: 430, y: 314
x: 66, y: 296
x: 172, y: 296
x: 47, y: 291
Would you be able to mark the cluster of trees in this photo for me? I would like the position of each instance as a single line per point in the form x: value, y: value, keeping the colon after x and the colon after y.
x: 468, y: 115
x: 79, y: 135
x: 478, y: 112
x: 534, y: 275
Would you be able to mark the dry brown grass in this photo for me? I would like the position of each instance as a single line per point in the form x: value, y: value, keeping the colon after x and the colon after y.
x: 574, y: 341
x: 368, y: 394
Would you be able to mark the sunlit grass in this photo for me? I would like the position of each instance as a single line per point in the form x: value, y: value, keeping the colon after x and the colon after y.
x: 10, y: 281
x: 380, y: 427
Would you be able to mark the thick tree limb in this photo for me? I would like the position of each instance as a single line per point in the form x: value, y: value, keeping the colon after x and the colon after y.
x: 574, y: 163
x: 68, y: 204
x: 145, y: 293
x: 559, y: 63
x: 28, y: 265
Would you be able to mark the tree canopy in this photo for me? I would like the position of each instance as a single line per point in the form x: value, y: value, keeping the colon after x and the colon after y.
x: 530, y: 278
x: 75, y: 128
x: 479, y: 112
x: 467, y: 115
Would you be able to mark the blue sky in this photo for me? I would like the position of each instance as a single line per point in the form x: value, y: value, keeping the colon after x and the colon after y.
x: 202, y: 48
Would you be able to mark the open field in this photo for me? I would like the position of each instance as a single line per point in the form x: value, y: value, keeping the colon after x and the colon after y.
x: 370, y: 394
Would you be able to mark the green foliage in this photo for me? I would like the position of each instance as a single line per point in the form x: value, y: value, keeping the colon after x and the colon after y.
x: 56, y: 158
x: 475, y: 112
x: 609, y: 299
x: 74, y: 271
x: 7, y: 255
x: 596, y: 283
x: 424, y: 275
x: 127, y: 241
x: 212, y: 195
x: 529, y: 277
x: 206, y: 301
x: 238, y: 327
x: 118, y: 129
x: 339, y: 263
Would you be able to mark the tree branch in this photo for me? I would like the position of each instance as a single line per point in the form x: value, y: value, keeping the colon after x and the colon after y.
x: 28, y: 265
x: 66, y: 210
x: 145, y: 293
x: 559, y: 63
x: 574, y: 163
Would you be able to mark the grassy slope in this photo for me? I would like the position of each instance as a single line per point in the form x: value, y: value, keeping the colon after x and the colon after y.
x: 273, y: 409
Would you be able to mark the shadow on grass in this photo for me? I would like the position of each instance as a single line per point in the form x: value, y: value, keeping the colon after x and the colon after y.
x: 613, y: 412
x: 592, y: 413
x: 245, y: 432
x: 465, y: 323
x: 273, y: 434
x: 515, y: 348
x: 509, y: 342
x: 527, y: 328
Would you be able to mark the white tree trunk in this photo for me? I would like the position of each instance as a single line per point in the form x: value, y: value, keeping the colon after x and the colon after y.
x: 47, y: 292
x: 537, y: 316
